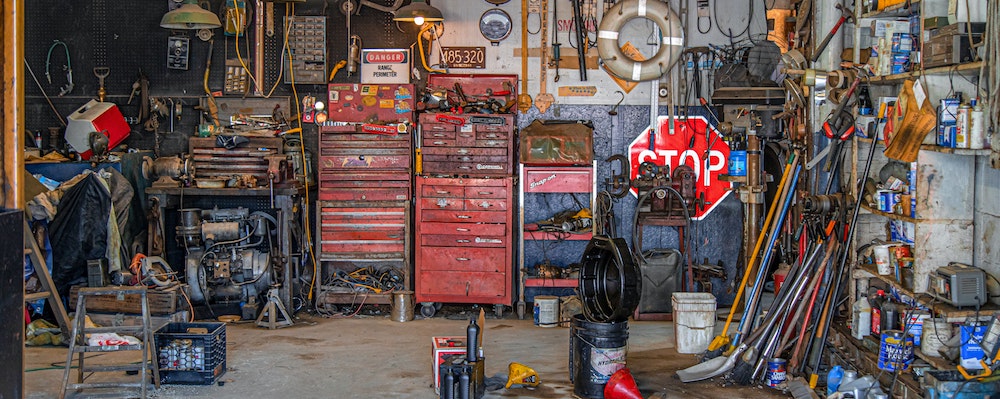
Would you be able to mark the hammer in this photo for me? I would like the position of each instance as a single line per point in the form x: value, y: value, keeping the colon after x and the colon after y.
x: 845, y: 15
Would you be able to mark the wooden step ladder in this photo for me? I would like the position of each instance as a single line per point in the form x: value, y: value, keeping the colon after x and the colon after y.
x: 78, y: 344
x: 48, y: 291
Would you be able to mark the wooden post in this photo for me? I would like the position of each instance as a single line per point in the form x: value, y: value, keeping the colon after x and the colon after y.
x: 12, y: 102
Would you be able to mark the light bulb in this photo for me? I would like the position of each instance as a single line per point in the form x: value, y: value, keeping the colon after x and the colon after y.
x: 418, y: 20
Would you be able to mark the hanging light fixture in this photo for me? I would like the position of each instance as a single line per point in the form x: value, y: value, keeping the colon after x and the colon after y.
x: 418, y: 12
x: 190, y: 16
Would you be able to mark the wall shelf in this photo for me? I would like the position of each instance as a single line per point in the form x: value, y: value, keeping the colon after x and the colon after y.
x: 939, y: 309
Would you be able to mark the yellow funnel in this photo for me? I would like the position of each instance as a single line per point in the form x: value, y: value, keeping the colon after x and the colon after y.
x: 521, y: 375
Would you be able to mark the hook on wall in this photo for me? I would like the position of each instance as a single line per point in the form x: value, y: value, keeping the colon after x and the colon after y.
x: 614, y: 110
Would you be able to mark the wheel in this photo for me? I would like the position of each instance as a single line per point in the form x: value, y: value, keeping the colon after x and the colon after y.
x: 520, y: 310
x: 428, y: 310
x: 498, y: 311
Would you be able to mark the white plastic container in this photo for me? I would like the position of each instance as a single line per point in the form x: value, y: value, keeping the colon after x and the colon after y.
x: 861, y: 318
x: 694, y: 320
x: 546, y: 311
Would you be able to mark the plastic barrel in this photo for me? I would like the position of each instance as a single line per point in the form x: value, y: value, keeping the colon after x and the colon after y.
x: 597, y: 350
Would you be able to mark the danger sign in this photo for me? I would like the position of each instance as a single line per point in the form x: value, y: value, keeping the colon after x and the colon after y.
x: 679, y: 149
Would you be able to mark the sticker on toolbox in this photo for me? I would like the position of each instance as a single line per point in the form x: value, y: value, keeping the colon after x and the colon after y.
x: 386, y: 103
x: 466, y: 128
x: 402, y: 107
x: 369, y: 101
x: 403, y: 93
x: 369, y: 90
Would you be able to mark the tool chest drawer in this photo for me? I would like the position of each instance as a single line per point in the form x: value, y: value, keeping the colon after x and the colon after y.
x: 467, y: 145
x: 346, y: 227
x: 363, y: 187
x: 467, y: 259
x: 463, y: 287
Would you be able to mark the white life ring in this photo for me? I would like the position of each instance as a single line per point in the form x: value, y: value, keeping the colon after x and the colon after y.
x: 626, y: 67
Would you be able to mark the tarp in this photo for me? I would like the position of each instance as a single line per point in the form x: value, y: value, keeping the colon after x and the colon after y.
x: 79, y: 232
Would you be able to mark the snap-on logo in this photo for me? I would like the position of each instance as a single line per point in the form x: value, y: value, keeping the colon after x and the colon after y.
x: 384, y: 57
x: 490, y: 167
x: 535, y: 184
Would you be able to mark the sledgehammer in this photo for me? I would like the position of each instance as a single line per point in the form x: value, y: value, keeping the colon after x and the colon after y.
x: 845, y: 15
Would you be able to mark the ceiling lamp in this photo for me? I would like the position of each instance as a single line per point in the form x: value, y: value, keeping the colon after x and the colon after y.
x: 190, y: 16
x: 418, y: 12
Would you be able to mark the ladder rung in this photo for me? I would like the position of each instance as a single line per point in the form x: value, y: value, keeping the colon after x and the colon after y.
x: 109, y: 348
x: 121, y: 329
x: 99, y: 385
x: 28, y: 251
x: 34, y: 296
x: 113, y: 367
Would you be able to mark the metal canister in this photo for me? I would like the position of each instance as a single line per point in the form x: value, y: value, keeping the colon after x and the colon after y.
x: 776, y: 375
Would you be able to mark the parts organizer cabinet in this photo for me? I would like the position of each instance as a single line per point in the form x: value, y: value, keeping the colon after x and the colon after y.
x: 565, y: 180
x: 465, y: 241
x: 364, y: 186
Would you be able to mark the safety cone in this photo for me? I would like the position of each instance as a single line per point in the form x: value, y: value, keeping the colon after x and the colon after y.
x: 621, y: 385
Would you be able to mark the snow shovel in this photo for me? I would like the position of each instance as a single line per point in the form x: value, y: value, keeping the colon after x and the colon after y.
x: 711, y: 368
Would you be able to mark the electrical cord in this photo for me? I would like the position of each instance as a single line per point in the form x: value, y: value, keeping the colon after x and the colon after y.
x: 636, y: 245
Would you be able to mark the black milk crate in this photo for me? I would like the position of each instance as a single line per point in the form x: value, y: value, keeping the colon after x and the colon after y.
x: 191, y: 358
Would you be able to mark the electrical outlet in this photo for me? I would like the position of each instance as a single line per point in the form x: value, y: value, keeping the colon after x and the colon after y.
x: 663, y: 91
x: 703, y: 10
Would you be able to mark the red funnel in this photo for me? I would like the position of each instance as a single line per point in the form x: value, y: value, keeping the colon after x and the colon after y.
x: 621, y: 385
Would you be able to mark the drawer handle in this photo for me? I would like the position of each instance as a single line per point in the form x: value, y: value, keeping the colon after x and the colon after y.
x: 438, y: 135
x: 461, y: 229
x: 467, y: 286
x: 443, y: 192
x: 393, y: 236
x: 465, y: 136
x: 462, y: 259
x: 463, y: 241
x: 463, y: 151
x: 465, y: 167
x: 438, y: 143
x: 485, y: 193
x: 464, y: 217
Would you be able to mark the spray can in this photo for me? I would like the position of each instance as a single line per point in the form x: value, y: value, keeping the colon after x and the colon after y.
x: 977, y: 134
x: 962, y: 124
x: 876, y: 319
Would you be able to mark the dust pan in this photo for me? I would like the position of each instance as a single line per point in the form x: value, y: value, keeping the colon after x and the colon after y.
x: 714, y: 367
x: 621, y: 385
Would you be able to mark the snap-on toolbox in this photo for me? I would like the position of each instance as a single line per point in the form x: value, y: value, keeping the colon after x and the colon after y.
x: 467, y: 145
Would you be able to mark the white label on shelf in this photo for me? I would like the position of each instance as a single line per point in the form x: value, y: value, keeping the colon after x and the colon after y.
x: 919, y: 93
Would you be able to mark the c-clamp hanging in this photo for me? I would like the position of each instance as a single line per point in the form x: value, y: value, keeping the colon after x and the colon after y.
x: 68, y: 67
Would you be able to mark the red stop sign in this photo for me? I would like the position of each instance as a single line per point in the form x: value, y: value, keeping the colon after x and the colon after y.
x: 677, y: 149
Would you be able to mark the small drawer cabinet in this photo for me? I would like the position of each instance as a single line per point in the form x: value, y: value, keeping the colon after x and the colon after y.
x: 467, y: 145
x: 464, y: 248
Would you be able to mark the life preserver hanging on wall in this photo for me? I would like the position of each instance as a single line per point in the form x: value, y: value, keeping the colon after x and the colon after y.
x: 624, y: 66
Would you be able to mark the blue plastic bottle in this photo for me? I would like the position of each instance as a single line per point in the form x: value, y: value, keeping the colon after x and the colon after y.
x: 833, y: 379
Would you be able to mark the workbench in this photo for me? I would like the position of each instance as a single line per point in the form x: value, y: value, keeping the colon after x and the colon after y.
x: 286, y: 200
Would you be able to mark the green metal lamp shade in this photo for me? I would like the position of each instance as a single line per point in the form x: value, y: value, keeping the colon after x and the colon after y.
x: 190, y: 16
x: 418, y: 11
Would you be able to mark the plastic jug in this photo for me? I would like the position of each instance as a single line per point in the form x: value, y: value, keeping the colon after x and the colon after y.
x: 861, y: 318
x: 833, y: 379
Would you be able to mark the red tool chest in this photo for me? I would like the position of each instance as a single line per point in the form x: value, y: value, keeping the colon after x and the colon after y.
x: 464, y: 250
x: 467, y: 145
x: 464, y: 240
x: 365, y: 183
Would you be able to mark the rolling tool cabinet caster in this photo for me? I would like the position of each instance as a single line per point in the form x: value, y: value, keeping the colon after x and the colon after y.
x: 428, y: 309
x: 498, y: 310
x: 520, y: 310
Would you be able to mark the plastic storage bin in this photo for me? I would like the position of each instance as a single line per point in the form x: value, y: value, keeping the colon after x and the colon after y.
x: 694, y: 320
x: 191, y: 358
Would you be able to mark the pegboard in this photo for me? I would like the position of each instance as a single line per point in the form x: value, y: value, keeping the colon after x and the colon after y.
x: 126, y: 37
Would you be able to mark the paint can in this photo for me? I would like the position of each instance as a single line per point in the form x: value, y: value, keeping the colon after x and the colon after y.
x: 776, y: 372
x: 895, y: 351
x: 737, y: 162
x: 402, y: 306
x: 546, y: 311
x: 936, y: 331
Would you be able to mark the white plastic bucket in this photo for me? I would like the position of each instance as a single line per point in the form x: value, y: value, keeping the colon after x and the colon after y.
x: 694, y: 321
x: 546, y: 311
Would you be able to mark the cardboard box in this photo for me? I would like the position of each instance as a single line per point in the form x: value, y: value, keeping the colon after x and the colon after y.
x: 442, y: 347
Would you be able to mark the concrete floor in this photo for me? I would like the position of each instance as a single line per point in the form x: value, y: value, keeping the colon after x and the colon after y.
x: 372, y: 356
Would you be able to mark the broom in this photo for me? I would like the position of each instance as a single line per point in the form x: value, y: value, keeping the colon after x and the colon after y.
x: 721, y: 341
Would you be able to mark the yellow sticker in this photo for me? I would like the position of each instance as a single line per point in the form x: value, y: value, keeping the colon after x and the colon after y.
x: 369, y: 101
x: 386, y: 103
x: 369, y: 90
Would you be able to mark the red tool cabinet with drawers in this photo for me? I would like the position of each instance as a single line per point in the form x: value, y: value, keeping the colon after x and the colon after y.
x: 365, y: 185
x: 464, y: 251
x: 464, y: 241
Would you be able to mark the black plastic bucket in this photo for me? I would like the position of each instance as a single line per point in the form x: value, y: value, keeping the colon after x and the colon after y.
x: 596, y: 351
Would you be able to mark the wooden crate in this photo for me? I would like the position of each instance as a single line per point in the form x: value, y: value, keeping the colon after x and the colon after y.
x: 161, y: 302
